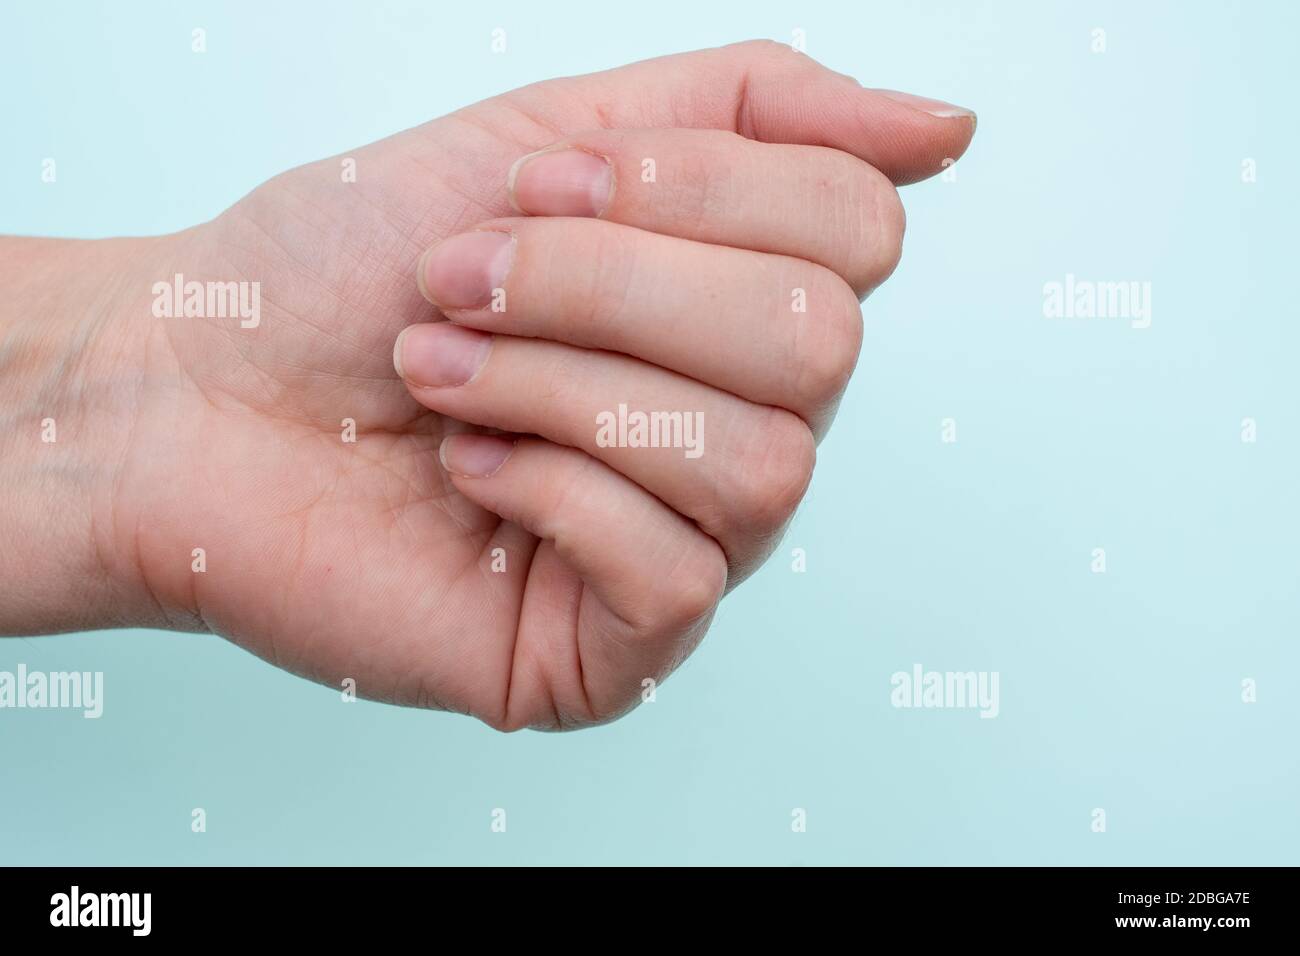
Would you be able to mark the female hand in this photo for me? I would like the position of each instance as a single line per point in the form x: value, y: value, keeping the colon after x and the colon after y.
x: 694, y: 238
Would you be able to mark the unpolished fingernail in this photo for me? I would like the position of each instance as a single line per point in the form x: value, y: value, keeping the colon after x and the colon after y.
x: 561, y: 182
x: 439, y: 354
x: 474, y: 456
x: 465, y: 271
x: 926, y: 105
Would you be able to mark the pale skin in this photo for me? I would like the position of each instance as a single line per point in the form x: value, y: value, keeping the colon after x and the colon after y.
x: 475, y: 428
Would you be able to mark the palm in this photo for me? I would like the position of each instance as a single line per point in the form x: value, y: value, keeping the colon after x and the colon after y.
x: 309, y: 539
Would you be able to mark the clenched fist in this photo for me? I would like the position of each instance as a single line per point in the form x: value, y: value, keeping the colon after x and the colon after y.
x: 495, y: 417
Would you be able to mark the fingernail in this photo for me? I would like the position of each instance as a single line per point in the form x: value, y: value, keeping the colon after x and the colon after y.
x: 561, y: 182
x: 439, y: 354
x: 464, y: 272
x: 925, y: 105
x: 474, y: 456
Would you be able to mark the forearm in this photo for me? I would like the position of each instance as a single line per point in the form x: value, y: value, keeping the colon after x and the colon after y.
x: 68, y: 386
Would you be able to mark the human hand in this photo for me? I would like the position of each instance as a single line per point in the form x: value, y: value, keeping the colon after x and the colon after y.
x: 530, y: 581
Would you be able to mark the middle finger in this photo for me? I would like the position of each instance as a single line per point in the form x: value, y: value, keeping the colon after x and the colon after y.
x: 773, y: 329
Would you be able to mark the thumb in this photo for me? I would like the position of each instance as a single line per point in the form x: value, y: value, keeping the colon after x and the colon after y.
x: 765, y: 91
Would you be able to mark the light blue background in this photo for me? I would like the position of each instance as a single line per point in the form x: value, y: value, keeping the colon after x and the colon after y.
x: 1119, y: 690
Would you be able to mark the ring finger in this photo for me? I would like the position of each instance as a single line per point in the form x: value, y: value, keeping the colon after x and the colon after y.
x: 735, y: 467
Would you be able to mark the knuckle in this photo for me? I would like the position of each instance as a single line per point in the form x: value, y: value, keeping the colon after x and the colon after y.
x: 701, y: 185
x: 696, y: 587
x: 505, y: 722
x: 877, y: 233
x: 768, y: 59
x: 828, y: 340
x: 614, y: 265
x: 772, y: 473
x: 767, y: 49
x: 588, y: 266
x: 891, y: 222
x: 552, y: 374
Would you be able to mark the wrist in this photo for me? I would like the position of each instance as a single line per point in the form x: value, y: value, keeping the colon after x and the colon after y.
x: 73, y: 333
